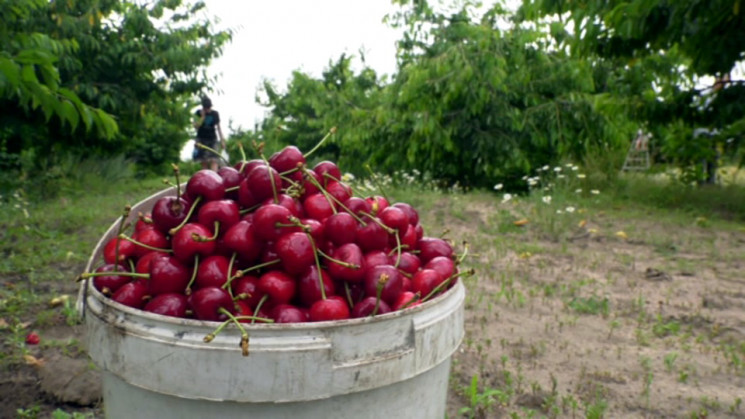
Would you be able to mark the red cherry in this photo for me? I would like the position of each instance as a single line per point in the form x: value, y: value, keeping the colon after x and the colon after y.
x: 212, y: 271
x: 351, y: 255
x: 170, y: 304
x: 263, y: 182
x: 207, y: 184
x: 295, y: 207
x: 425, y: 281
x: 309, y: 286
x: 409, y: 263
x: 377, y: 204
x: 168, y: 275
x: 385, y: 277
x: 378, y: 257
x: 405, y: 299
x: 231, y: 179
x: 127, y: 250
x: 33, y: 338
x: 411, y: 213
x: 371, y: 236
x: 339, y: 190
x: 247, y: 287
x: 327, y: 170
x: 143, y: 263
x: 357, y: 206
x: 430, y: 247
x: 340, y: 228
x: 271, y: 221
x: 207, y: 302
x: 243, y: 167
x: 332, y: 308
x: 287, y: 313
x: 144, y: 221
x: 443, y: 265
x: 307, y: 185
x: 191, y: 240
x: 169, y: 212
x: 223, y: 211
x: 296, y: 252
x: 287, y: 159
x: 131, y: 294
x: 150, y: 237
x: 246, y: 198
x: 242, y: 308
x: 240, y: 238
x: 108, y: 284
x: 317, y: 229
x: 395, y: 218
x: 366, y: 307
x: 278, y: 285
x: 317, y: 206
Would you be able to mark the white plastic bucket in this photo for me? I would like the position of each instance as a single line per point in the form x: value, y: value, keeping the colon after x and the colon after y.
x: 391, y: 366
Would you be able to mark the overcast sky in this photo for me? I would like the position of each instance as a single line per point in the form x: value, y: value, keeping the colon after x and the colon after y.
x: 274, y: 37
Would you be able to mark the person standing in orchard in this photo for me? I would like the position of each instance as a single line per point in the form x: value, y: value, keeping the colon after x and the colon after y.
x: 208, y: 131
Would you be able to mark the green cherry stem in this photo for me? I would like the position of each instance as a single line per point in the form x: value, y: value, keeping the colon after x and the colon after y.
x: 252, y: 268
x: 331, y: 132
x: 244, y: 334
x: 186, y: 219
x: 157, y: 249
x: 193, y: 275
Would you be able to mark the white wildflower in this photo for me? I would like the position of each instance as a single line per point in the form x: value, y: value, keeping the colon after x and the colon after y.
x: 569, y: 209
x: 347, y: 177
x: 581, y: 176
x: 578, y: 191
x: 558, y: 211
x: 594, y: 191
x: 532, y: 181
x: 546, y: 199
x: 545, y: 167
x: 575, y: 168
x: 498, y: 186
x: 557, y: 169
x: 559, y: 176
x: 506, y: 197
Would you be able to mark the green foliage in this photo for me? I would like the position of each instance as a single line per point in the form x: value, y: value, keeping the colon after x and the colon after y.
x: 471, y: 104
x: 661, y: 49
x: 130, y: 70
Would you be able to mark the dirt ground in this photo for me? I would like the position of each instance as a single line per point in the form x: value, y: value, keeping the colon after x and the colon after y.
x: 623, y: 317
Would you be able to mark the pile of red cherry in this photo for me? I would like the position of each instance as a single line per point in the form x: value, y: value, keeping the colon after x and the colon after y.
x: 271, y: 240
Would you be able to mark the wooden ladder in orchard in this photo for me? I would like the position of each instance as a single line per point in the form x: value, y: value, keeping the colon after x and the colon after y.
x: 637, y: 159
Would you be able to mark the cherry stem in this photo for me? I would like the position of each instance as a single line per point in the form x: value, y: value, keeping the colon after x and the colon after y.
x: 313, y: 150
x: 340, y: 262
x: 232, y: 188
x: 398, y: 250
x: 378, y: 292
x: 177, y: 172
x: 186, y: 219
x: 258, y: 306
x: 87, y: 275
x: 414, y: 299
x: 243, y: 154
x: 255, y: 318
x: 229, y: 279
x: 125, y: 214
x: 380, y: 223
x: 193, y: 275
x: 271, y: 179
x: 374, y: 179
x: 318, y: 263
x: 331, y: 200
x: 348, y: 292
x: 253, y: 268
x: 244, y: 334
x: 157, y: 249
x: 198, y: 238
x: 465, y: 252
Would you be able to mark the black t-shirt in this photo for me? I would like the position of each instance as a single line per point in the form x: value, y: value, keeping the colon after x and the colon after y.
x: 207, y: 129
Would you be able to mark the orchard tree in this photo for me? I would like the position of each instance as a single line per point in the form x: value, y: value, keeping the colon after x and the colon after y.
x: 142, y: 64
x: 693, y: 38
